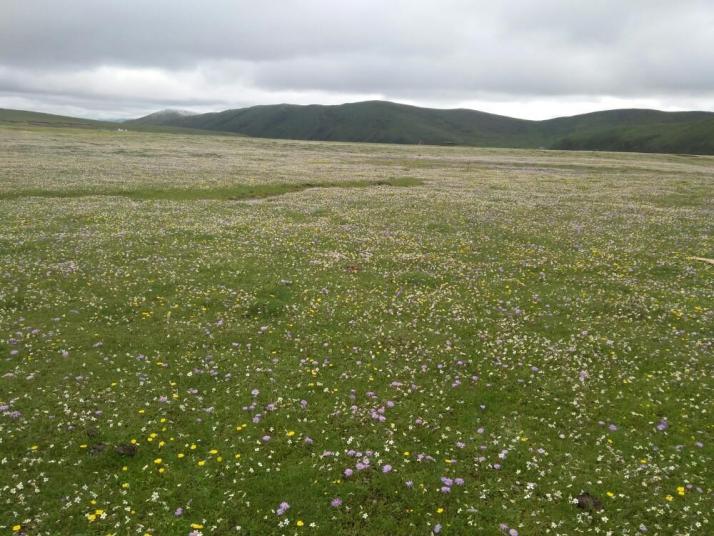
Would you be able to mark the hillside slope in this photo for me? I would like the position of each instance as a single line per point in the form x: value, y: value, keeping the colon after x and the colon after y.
x: 373, y: 121
x: 386, y: 122
x: 24, y: 117
x: 38, y: 118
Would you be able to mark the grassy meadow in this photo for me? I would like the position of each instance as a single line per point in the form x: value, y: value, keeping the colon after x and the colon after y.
x: 225, y: 335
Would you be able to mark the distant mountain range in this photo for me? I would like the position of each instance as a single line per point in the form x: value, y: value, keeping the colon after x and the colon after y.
x: 388, y: 122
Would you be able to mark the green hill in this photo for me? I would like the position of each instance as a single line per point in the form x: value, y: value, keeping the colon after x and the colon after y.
x: 387, y: 122
x: 23, y: 117
x: 41, y: 119
x: 374, y: 121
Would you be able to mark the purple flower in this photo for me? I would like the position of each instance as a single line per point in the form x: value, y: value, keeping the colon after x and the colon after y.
x: 303, y: 404
x: 255, y: 392
x: 513, y: 532
x: 459, y: 481
x: 308, y: 441
x: 348, y: 473
x: 662, y: 425
x: 447, y: 481
x: 387, y: 468
x: 445, y: 489
x: 336, y: 502
x: 282, y: 508
x: 612, y: 427
x: 436, y: 529
x: 178, y: 512
x: 265, y: 438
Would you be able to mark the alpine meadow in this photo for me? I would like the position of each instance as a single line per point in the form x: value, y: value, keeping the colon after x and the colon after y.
x: 216, y: 334
x: 356, y: 268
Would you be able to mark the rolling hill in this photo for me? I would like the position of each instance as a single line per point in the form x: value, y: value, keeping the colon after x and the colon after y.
x: 23, y: 117
x: 42, y: 119
x: 387, y: 122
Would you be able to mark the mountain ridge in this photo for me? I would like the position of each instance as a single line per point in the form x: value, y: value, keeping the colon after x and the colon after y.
x: 634, y: 129
x: 627, y: 130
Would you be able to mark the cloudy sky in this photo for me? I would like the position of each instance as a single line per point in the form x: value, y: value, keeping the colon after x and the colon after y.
x: 526, y: 58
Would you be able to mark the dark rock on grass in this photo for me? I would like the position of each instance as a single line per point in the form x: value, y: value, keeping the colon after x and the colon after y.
x: 125, y: 449
x: 97, y: 449
x: 589, y: 502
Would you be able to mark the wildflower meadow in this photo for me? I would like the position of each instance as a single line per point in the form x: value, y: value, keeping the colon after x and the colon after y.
x: 213, y: 335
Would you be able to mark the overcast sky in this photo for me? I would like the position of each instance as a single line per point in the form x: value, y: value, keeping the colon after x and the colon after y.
x: 526, y: 58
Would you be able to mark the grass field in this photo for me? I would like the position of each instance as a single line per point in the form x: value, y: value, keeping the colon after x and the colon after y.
x: 224, y: 335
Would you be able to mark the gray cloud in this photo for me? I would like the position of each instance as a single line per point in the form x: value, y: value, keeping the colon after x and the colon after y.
x: 125, y: 56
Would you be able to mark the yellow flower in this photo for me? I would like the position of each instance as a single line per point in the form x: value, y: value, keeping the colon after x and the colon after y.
x: 158, y: 461
x: 291, y: 433
x: 237, y: 455
x: 196, y: 526
x: 193, y: 446
x: 180, y: 455
x: 610, y: 494
x: 669, y: 498
x: 680, y: 490
x: 213, y: 451
x: 16, y: 528
x: 440, y: 510
x: 300, y: 523
x: 125, y: 485
x: 201, y: 463
x: 407, y: 453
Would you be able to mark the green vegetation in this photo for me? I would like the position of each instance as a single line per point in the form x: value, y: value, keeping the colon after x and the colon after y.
x: 235, y: 192
x: 386, y: 122
x: 519, y: 340
x: 22, y: 118
x: 648, y: 131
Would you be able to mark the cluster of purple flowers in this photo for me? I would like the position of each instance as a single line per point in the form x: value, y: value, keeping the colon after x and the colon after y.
x: 282, y: 508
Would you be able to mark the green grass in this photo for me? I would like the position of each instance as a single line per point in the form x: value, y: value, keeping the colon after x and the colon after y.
x: 504, y: 307
x: 232, y: 193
